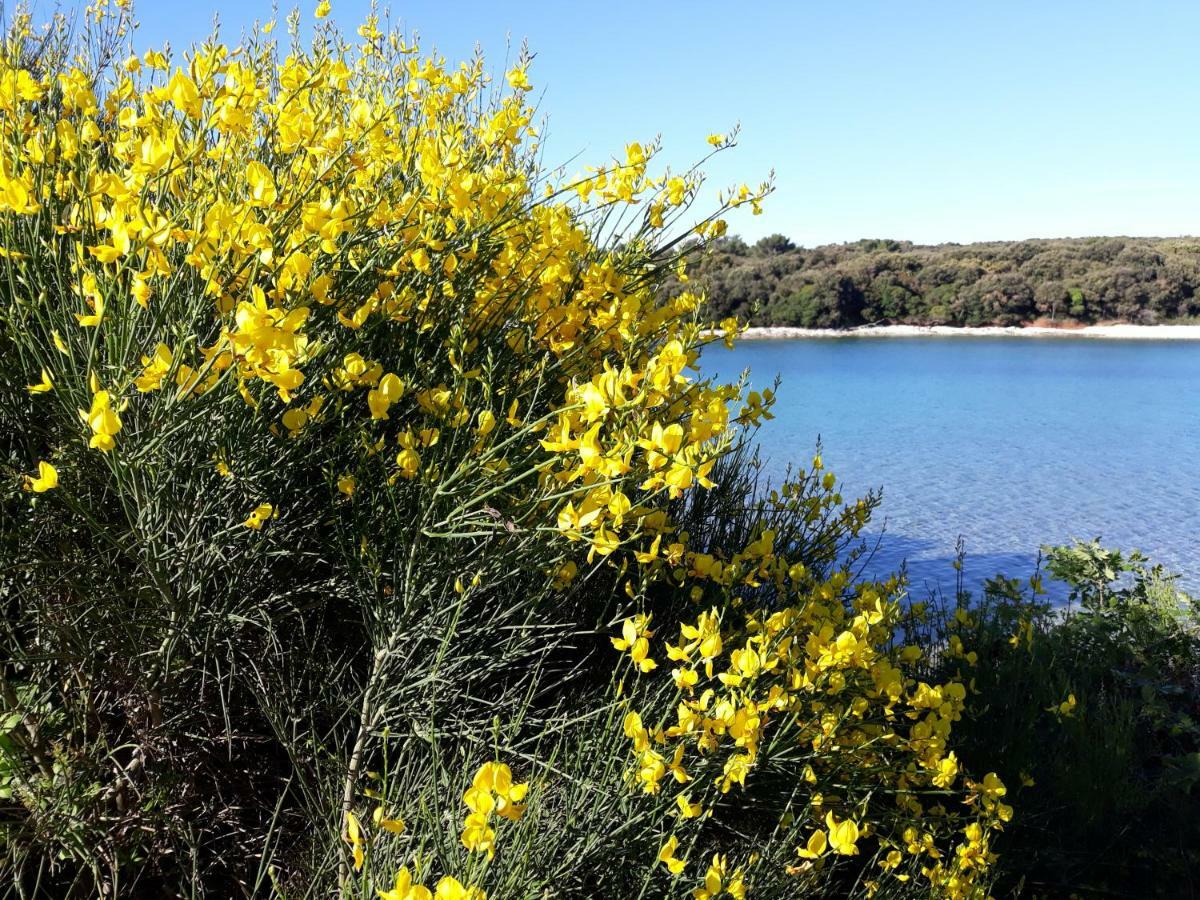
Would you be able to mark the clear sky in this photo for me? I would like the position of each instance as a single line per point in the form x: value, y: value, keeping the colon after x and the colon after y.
x: 929, y: 121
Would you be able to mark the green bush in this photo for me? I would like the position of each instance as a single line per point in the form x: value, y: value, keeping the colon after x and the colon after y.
x: 1091, y: 711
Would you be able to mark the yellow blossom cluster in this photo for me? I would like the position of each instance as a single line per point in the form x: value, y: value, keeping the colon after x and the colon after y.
x: 447, y: 888
x: 791, y: 664
x: 283, y: 215
x: 492, y: 791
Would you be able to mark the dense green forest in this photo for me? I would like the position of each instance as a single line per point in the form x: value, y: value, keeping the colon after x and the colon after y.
x: 1070, y: 280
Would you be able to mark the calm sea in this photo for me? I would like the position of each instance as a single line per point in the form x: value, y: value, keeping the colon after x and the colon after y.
x: 1010, y: 443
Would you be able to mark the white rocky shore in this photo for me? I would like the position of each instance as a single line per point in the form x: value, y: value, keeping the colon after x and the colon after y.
x: 1120, y: 331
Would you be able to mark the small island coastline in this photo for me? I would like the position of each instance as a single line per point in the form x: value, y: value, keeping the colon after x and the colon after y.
x: 1118, y: 331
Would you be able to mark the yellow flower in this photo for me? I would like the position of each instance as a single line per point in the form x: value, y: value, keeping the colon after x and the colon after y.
x: 354, y: 838
x: 565, y: 574
x: 262, y: 183
x: 103, y: 420
x: 735, y: 770
x: 676, y: 189
x: 675, y: 767
x: 45, y: 480
x: 843, y: 836
x: 405, y: 889
x: 261, y: 514
x: 685, y: 678
x: 1064, y: 710
x: 947, y: 770
x: 604, y: 542
x: 635, y: 731
x: 156, y: 368
x: 380, y: 398
x: 992, y: 787
x: 96, y: 316
x: 495, y: 778
x: 718, y: 881
x: 395, y: 826
x: 816, y: 846
x: 492, y: 790
x: 409, y: 462
x: 687, y: 809
x: 666, y: 856
x: 517, y: 79
x: 487, y: 422
x: 323, y: 9
x: 635, y: 639
x: 42, y: 386
x: 347, y: 484
x: 704, y: 637
x: 730, y: 329
x: 449, y: 888
x: 478, y: 836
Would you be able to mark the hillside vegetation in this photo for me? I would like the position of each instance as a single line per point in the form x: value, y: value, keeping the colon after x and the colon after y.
x: 1070, y: 280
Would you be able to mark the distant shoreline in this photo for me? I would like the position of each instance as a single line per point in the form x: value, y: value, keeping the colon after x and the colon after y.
x: 1110, y: 331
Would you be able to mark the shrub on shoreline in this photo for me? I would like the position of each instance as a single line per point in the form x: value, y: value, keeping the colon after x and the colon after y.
x: 369, y: 527
x: 1090, y: 711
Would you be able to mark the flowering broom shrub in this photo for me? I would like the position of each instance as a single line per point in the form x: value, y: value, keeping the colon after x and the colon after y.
x: 369, y: 525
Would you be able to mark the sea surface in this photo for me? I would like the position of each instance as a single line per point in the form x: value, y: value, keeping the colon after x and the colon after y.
x: 1009, y: 443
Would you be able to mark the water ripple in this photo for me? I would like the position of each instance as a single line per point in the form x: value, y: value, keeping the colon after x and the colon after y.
x: 1008, y: 443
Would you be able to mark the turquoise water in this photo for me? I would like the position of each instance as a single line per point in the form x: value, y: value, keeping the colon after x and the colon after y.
x: 1009, y: 442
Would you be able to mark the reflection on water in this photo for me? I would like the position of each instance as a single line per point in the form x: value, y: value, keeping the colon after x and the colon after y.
x: 1011, y: 443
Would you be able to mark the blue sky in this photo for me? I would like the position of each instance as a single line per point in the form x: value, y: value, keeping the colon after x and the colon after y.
x: 930, y: 121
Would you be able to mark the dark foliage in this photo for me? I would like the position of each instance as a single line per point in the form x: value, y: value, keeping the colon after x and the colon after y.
x: 1107, y: 787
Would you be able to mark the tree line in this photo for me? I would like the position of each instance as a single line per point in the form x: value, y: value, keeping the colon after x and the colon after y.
x: 1066, y: 280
